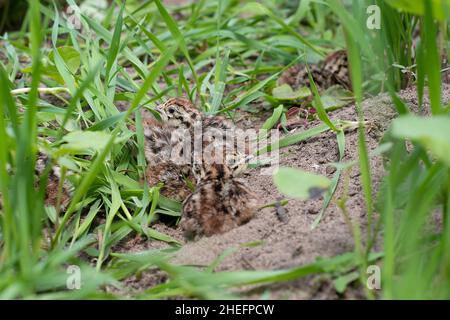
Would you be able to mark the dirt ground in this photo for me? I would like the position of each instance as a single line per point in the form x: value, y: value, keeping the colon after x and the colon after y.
x: 293, y: 242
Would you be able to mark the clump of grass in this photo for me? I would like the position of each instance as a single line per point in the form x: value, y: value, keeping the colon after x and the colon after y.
x: 416, y: 185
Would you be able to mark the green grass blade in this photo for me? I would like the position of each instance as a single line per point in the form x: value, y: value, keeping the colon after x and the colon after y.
x: 181, y: 43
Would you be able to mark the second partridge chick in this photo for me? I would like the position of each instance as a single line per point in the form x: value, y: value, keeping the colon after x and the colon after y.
x: 334, y: 70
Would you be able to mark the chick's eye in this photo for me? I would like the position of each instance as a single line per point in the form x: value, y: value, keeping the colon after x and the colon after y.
x: 171, y: 110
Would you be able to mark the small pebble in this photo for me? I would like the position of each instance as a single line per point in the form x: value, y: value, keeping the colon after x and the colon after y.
x: 297, y: 252
x: 330, y: 170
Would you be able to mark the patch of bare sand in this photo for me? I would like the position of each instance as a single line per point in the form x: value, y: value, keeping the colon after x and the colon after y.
x: 293, y: 243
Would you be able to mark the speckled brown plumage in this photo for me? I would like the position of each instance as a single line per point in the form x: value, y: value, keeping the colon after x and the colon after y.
x: 53, y: 182
x: 51, y: 195
x: 164, y: 138
x: 334, y: 70
x: 220, y: 201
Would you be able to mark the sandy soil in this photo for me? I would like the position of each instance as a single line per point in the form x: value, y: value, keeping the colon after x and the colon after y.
x: 292, y: 243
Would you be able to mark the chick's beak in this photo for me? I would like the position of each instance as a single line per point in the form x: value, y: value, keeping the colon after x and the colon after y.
x: 162, y: 113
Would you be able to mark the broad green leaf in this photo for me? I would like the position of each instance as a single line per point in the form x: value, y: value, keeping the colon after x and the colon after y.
x: 70, y: 56
x: 86, y: 140
x: 285, y: 92
x: 341, y: 283
x: 335, y: 97
x: 300, y: 184
x: 48, y: 70
x: 332, y: 103
x: 432, y: 133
